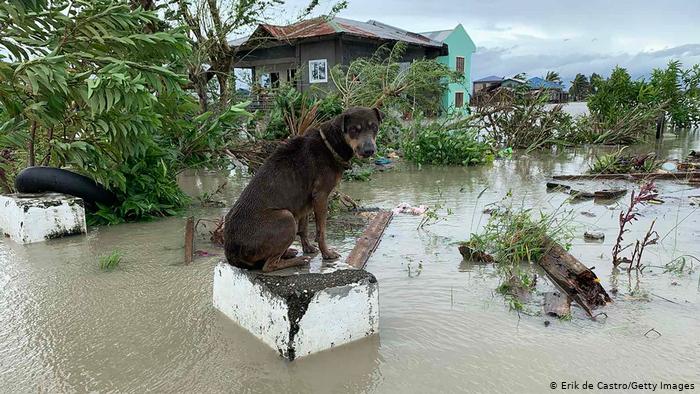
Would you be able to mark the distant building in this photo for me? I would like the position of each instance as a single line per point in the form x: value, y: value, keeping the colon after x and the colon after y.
x: 459, y: 57
x: 304, y: 53
x: 487, y: 85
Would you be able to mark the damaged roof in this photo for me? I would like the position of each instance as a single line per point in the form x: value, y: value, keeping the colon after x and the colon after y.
x: 318, y: 27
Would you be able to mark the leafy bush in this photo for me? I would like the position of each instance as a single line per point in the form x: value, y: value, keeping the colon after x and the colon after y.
x: 620, y: 163
x: 294, y: 112
x: 521, y: 119
x: 94, y: 90
x: 384, y: 80
x: 445, y: 142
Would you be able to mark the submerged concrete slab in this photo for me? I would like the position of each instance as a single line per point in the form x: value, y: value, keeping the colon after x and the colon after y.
x: 28, y: 218
x: 298, y: 315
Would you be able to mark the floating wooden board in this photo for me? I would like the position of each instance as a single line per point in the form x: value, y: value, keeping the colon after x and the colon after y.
x: 681, y: 175
x: 369, y: 240
x: 574, y: 278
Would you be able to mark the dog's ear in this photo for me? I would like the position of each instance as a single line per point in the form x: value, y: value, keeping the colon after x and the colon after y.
x: 339, y: 123
x: 380, y: 114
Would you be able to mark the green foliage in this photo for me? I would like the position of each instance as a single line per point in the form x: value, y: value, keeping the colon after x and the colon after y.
x: 620, y: 163
x: 521, y: 118
x: 199, y: 140
x: 384, y: 80
x: 518, y: 238
x: 88, y: 88
x: 681, y: 90
x: 361, y: 173
x: 294, y: 112
x: 580, y: 88
x: 446, y: 141
x: 110, y: 261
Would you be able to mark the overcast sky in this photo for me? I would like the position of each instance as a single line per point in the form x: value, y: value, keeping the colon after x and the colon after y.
x: 568, y: 36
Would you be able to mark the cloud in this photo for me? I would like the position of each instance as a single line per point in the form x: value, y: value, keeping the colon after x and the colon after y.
x: 503, y: 62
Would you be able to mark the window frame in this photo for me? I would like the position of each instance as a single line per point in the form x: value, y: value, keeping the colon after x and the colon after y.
x: 464, y: 65
x: 311, y: 74
x: 462, y: 104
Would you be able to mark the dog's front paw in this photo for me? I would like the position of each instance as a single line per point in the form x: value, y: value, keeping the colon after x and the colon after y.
x: 330, y: 254
x: 309, y: 249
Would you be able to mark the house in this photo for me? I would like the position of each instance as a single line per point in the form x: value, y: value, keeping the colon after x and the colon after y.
x: 556, y: 91
x: 485, y: 86
x: 304, y: 53
x: 459, y: 57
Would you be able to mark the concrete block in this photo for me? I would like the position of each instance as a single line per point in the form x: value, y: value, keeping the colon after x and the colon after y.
x: 28, y: 218
x: 299, y: 314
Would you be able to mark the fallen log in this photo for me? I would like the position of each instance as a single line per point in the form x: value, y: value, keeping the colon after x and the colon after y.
x: 574, y: 278
x: 557, y: 304
x: 681, y: 175
x: 369, y: 240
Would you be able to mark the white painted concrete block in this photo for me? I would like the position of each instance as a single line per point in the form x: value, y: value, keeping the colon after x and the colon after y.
x: 298, y: 315
x: 28, y: 218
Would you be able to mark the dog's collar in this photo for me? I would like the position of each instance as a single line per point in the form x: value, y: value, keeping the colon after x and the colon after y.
x: 336, y: 156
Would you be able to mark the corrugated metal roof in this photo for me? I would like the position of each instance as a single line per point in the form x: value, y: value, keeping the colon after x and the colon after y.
x: 439, y: 36
x: 490, y: 78
x: 540, y: 83
x: 322, y: 26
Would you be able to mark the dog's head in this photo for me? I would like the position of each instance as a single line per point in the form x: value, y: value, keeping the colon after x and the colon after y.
x: 359, y: 126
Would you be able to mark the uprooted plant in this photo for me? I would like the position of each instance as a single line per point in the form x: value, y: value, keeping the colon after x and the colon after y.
x: 520, y: 118
x: 517, y: 239
x: 619, y: 162
x: 646, y: 193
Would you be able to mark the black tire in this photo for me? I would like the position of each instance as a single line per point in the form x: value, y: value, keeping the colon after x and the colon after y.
x: 50, y: 179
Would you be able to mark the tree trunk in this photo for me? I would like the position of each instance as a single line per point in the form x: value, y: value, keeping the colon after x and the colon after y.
x: 31, y: 161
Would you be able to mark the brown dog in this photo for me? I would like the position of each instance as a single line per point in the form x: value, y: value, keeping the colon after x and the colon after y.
x: 298, y: 178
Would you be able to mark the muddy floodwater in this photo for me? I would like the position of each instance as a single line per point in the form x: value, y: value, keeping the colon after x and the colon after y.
x: 66, y: 326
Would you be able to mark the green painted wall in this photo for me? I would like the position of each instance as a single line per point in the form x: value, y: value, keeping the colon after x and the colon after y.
x: 459, y: 44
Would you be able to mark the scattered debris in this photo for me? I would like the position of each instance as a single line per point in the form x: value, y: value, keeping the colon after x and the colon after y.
x: 594, y: 235
x: 680, y: 175
x: 609, y: 194
x: 547, y: 323
x: 577, y: 280
x: 588, y: 214
x: 407, y: 208
x: 556, y: 304
x: 474, y: 255
x: 558, y: 186
x: 604, y: 194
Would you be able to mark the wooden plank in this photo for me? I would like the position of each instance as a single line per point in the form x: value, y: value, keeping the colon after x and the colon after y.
x: 574, y: 278
x: 681, y: 175
x: 369, y: 240
x: 189, y: 240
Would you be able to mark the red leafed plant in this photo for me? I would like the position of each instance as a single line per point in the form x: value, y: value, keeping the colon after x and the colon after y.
x: 646, y: 193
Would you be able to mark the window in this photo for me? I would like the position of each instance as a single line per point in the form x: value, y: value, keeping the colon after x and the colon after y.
x: 459, y: 99
x: 460, y: 64
x: 291, y: 74
x: 265, y: 80
x: 274, y: 80
x: 318, y: 71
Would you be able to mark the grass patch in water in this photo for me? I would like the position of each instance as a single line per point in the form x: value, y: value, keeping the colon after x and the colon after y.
x: 110, y: 261
x: 516, y: 238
